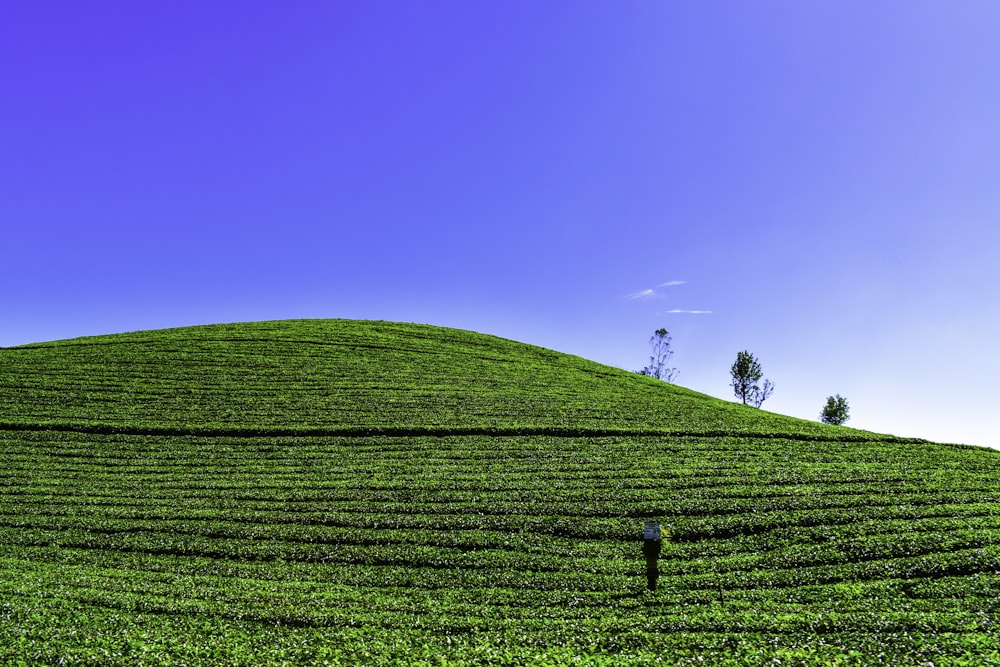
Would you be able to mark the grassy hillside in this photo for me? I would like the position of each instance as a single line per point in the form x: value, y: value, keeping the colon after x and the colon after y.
x: 323, y: 375
x: 337, y: 492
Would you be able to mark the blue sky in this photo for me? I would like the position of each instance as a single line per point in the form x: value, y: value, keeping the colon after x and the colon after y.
x: 816, y: 182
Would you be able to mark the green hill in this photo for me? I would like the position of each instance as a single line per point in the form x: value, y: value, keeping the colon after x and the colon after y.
x: 342, y: 492
x: 338, y: 376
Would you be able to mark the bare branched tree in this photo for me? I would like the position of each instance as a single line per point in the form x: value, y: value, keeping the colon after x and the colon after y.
x: 658, y: 360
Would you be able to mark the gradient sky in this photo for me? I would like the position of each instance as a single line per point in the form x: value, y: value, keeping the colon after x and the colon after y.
x: 816, y: 182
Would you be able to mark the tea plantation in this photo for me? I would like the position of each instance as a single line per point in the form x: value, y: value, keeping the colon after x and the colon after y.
x: 343, y: 492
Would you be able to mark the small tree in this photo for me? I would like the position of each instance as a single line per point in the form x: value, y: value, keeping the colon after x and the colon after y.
x: 746, y: 373
x: 657, y: 368
x: 835, y: 411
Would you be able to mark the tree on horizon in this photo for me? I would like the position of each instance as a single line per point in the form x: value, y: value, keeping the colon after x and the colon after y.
x: 660, y: 357
x: 835, y: 411
x: 746, y: 375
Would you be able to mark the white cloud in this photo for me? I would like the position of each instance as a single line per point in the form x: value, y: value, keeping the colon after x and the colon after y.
x: 644, y: 294
x: 689, y: 312
x: 652, y: 293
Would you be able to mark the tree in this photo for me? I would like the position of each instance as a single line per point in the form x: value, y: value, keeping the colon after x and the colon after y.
x: 657, y: 368
x: 746, y: 373
x: 835, y: 411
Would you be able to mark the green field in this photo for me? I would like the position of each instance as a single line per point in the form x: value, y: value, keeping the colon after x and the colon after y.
x: 342, y: 492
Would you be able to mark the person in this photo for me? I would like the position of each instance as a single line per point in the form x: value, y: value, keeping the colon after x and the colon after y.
x: 651, y: 550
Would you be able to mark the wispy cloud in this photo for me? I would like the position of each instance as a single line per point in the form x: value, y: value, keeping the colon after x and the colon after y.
x: 652, y: 293
x: 644, y: 294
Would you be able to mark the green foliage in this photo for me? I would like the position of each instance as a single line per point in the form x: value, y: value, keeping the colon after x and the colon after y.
x: 134, y: 534
x: 204, y: 550
x: 835, y: 411
x: 746, y: 374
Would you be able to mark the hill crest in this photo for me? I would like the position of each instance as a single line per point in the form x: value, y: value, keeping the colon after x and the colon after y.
x: 354, y: 376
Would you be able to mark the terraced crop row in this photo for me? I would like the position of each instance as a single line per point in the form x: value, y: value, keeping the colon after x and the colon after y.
x: 125, y: 549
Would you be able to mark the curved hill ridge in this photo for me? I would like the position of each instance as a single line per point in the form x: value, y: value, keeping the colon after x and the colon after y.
x: 352, y: 376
